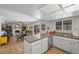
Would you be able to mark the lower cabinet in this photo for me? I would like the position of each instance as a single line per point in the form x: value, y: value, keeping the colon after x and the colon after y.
x: 44, y: 45
x: 27, y: 47
x: 37, y: 47
x: 57, y: 42
x: 75, y: 48
x: 66, y: 44
x: 40, y: 47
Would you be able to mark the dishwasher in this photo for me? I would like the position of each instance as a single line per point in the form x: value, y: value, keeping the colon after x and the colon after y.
x: 50, y: 42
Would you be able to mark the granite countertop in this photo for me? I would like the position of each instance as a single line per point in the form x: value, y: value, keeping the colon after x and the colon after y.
x: 32, y: 39
x: 68, y: 36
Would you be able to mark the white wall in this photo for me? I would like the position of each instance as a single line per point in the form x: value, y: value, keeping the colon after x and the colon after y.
x: 75, y: 26
x: 51, y: 25
x: 0, y: 24
x: 37, y: 35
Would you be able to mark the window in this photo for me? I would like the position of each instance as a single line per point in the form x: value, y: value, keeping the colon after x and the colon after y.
x: 67, y: 25
x: 59, y: 25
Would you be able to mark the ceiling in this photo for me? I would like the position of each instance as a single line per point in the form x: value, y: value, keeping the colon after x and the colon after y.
x: 59, y: 10
x: 28, y: 9
x: 41, y: 11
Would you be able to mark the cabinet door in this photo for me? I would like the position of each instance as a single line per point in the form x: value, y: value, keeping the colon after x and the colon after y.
x: 75, y: 47
x: 36, y: 49
x: 27, y: 48
x: 57, y: 42
x: 44, y: 45
x: 67, y: 44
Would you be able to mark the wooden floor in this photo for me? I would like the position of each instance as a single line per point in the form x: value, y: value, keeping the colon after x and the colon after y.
x: 17, y: 48
x: 55, y: 51
x: 13, y: 47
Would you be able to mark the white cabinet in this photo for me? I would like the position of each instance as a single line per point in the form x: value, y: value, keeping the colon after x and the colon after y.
x: 44, y: 45
x: 75, y: 48
x: 27, y: 48
x: 57, y: 42
x: 36, y: 49
x: 62, y: 43
x: 40, y: 47
x: 66, y: 45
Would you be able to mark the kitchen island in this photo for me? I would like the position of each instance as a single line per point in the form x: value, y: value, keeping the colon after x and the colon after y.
x: 32, y: 45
